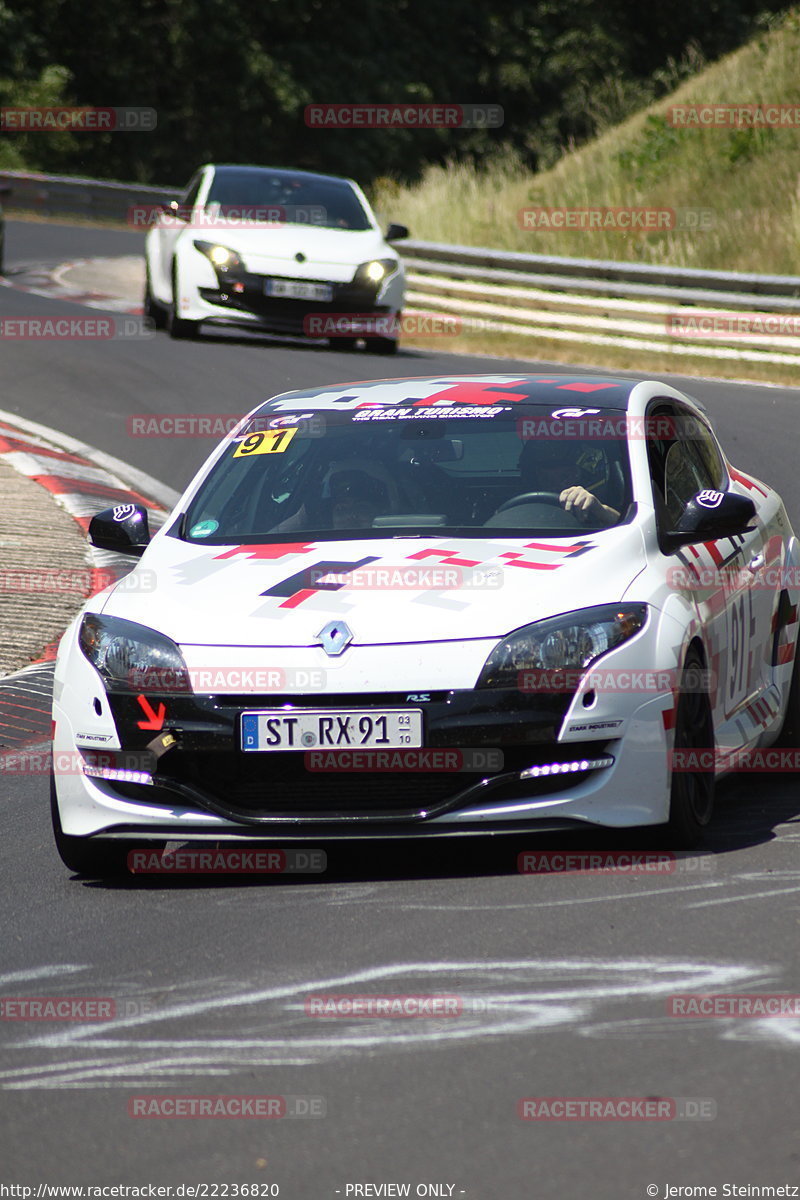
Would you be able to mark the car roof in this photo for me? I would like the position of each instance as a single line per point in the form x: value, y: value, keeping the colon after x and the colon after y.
x: 589, y: 392
x: 289, y: 172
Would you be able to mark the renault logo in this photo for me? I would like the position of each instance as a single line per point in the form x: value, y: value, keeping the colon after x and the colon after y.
x: 335, y: 638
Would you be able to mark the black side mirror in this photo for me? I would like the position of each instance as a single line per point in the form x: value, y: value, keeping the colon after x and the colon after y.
x: 123, y: 528
x: 710, y: 515
x: 396, y: 233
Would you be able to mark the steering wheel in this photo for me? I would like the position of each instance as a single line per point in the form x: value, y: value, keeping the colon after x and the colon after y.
x: 531, y: 498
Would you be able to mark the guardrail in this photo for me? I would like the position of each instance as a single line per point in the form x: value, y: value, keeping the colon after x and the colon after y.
x: 637, y: 306
x: 68, y: 196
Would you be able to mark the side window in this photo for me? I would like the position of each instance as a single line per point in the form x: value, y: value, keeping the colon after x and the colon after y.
x: 684, y: 458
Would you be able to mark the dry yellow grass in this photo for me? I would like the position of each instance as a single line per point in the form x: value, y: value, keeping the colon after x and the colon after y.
x: 747, y: 180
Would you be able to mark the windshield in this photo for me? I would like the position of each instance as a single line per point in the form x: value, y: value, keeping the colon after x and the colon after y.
x: 404, y: 472
x: 300, y: 199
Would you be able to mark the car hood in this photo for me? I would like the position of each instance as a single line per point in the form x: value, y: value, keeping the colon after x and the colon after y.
x: 389, y: 591
x: 282, y: 243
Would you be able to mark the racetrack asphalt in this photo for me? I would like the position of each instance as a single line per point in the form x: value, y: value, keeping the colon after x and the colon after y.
x: 563, y: 978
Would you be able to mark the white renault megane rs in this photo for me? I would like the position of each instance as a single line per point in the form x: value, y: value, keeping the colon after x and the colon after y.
x: 289, y: 252
x: 428, y: 607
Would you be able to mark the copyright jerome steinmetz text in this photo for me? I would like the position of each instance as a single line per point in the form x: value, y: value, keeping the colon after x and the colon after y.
x: 667, y: 1191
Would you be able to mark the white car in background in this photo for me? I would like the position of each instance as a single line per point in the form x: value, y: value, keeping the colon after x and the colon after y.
x: 431, y: 607
x: 282, y: 251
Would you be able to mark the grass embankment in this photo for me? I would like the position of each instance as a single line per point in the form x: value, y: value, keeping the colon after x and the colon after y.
x: 745, y: 180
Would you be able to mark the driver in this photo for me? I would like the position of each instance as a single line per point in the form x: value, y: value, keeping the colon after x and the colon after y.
x: 555, y: 466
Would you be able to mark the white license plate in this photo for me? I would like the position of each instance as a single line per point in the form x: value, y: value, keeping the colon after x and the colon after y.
x: 332, y: 729
x: 294, y: 289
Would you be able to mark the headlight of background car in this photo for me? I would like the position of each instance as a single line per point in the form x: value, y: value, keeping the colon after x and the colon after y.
x: 376, y: 272
x: 131, y: 657
x: 572, y: 640
x: 222, y: 259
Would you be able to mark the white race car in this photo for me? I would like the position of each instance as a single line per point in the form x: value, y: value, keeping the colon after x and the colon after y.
x: 289, y: 252
x: 435, y: 606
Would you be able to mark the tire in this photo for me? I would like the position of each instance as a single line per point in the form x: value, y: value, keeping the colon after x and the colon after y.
x: 382, y: 345
x: 692, y: 791
x: 152, y: 309
x: 343, y: 343
x: 87, y: 856
x: 177, y: 327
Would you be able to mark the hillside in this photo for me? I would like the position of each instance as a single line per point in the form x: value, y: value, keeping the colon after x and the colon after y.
x: 746, y: 180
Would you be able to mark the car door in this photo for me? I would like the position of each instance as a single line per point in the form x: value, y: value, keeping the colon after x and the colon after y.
x: 166, y: 233
x: 733, y: 599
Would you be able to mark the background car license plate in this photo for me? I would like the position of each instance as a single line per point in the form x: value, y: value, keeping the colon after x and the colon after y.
x: 331, y: 729
x: 296, y: 289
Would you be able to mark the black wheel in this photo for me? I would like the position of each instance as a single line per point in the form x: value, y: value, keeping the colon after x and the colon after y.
x: 177, y: 327
x: 100, y: 860
x: 382, y: 345
x: 692, y: 791
x: 152, y: 309
x: 343, y: 343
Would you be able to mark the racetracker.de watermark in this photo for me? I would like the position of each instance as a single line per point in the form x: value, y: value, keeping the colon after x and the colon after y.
x: 220, y: 1107
x: 218, y: 680
x: 771, y: 759
x: 229, y: 860
x: 573, y: 423
x: 610, y: 862
x: 616, y: 679
x: 733, y: 116
x: 615, y: 219
x: 77, y: 119
x: 74, y: 329
x: 694, y: 576
x: 387, y: 325
x: 754, y: 1005
x: 487, y: 761
x: 747, y: 326
x: 400, y: 577
x: 225, y: 216
x: 616, y: 1108
x: 219, y: 425
x: 403, y: 116
x: 57, y: 1008
x: 83, y: 581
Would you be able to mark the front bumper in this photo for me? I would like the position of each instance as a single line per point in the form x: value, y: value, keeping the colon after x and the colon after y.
x: 240, y: 299
x: 206, y: 787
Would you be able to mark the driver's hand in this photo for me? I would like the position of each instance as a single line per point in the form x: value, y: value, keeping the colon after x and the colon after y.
x: 576, y: 499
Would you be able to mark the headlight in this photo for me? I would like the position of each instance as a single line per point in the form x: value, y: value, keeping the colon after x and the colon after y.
x: 375, y: 272
x: 221, y: 257
x: 573, y: 640
x: 131, y: 657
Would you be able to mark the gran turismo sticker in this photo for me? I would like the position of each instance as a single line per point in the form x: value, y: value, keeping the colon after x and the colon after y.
x: 204, y: 529
x: 420, y: 414
x: 271, y: 441
x: 708, y: 498
x: 560, y: 413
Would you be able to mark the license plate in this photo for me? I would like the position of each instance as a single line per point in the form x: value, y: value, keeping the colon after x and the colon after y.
x: 331, y: 729
x: 295, y: 289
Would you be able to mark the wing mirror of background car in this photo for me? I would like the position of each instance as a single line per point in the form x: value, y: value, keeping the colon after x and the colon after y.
x: 710, y: 515
x: 396, y: 233
x: 123, y: 528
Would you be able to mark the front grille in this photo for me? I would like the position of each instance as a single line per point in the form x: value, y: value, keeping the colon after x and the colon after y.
x: 280, y: 785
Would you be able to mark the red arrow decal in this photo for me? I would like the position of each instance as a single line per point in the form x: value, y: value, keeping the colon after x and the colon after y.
x: 155, y: 720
